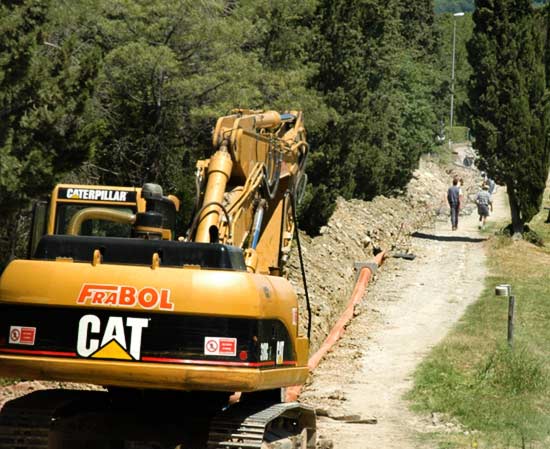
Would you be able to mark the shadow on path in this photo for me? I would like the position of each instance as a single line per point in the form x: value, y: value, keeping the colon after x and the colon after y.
x: 447, y: 238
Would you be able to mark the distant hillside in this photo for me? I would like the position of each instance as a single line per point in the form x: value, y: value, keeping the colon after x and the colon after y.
x: 464, y: 5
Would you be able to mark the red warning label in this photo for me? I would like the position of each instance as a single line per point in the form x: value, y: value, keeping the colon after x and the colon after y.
x: 220, y: 346
x: 20, y: 335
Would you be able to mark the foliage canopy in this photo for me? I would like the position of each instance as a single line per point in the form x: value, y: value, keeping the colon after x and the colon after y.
x: 509, y: 102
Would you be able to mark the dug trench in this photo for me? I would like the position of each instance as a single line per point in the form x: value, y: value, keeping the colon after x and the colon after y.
x: 362, y: 377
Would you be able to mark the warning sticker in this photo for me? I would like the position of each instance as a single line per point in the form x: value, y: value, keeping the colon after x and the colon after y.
x: 264, y: 352
x: 20, y: 335
x: 294, y: 316
x: 220, y: 346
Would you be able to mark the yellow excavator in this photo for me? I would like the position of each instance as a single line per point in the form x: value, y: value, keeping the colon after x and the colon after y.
x: 193, y: 337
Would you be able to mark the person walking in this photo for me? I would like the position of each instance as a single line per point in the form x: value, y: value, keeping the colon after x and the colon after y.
x: 460, y: 193
x: 484, y: 203
x: 453, y: 198
x: 492, y: 186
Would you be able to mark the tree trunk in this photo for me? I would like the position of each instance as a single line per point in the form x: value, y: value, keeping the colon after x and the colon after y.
x: 517, y: 222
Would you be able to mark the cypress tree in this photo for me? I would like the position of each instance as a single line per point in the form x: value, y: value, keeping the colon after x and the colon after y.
x: 417, y: 20
x: 507, y: 95
x: 374, y: 75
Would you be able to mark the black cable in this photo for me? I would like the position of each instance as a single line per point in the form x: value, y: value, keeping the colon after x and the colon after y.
x: 301, y: 265
x: 281, y: 230
x: 198, y: 189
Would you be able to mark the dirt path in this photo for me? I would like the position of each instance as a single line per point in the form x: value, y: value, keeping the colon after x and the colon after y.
x: 408, y: 310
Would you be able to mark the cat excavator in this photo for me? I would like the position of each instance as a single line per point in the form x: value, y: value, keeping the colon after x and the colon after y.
x: 189, y: 339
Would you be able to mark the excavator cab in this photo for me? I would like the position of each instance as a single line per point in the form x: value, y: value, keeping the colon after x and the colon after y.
x: 103, y: 211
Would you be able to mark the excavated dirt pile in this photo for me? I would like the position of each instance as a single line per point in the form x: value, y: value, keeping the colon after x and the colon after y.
x: 359, y: 229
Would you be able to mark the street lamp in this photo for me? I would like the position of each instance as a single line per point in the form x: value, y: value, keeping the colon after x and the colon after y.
x: 456, y: 14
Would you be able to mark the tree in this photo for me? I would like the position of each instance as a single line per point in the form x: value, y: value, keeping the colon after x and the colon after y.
x: 509, y: 102
x: 20, y: 25
x: 46, y: 80
x: 375, y: 75
x: 169, y: 71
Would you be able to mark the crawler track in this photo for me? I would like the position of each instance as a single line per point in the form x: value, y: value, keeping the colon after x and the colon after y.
x: 67, y: 419
x: 26, y: 422
x: 284, y: 425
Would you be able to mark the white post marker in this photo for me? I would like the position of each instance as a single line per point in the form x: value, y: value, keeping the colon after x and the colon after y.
x: 506, y: 290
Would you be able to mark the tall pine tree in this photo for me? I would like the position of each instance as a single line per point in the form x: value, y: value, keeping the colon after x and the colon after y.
x: 507, y: 95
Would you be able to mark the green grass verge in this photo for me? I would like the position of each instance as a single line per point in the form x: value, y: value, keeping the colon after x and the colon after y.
x: 500, y: 395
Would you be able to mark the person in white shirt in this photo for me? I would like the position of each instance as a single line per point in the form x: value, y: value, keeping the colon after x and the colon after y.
x: 484, y: 203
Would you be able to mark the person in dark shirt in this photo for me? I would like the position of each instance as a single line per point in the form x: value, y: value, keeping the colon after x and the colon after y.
x: 453, y: 198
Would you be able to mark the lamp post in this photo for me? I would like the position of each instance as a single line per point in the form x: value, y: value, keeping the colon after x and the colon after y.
x: 456, y: 14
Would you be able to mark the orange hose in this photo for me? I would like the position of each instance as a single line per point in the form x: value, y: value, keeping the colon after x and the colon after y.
x: 338, y: 329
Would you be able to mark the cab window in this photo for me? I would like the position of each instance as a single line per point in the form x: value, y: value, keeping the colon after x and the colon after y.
x: 99, y: 228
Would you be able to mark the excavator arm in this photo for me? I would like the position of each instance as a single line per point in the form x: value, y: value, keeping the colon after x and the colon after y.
x: 249, y: 187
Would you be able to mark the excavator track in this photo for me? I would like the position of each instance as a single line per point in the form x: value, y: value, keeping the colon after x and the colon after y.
x: 26, y: 422
x: 248, y: 426
x: 73, y: 419
x: 70, y: 418
x: 24, y: 429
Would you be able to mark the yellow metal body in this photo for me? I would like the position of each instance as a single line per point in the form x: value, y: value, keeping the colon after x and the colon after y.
x: 193, y: 292
x: 151, y: 375
x: 254, y: 140
x: 219, y: 171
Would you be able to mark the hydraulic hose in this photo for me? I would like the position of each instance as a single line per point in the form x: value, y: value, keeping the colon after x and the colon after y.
x: 200, y: 211
x: 257, y: 226
x: 271, y: 185
x: 98, y: 213
x: 304, y: 280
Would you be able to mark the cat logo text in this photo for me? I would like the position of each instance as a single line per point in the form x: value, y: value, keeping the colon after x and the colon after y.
x: 111, y: 338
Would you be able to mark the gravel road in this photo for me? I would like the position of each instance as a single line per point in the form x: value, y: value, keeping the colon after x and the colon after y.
x: 409, y: 309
